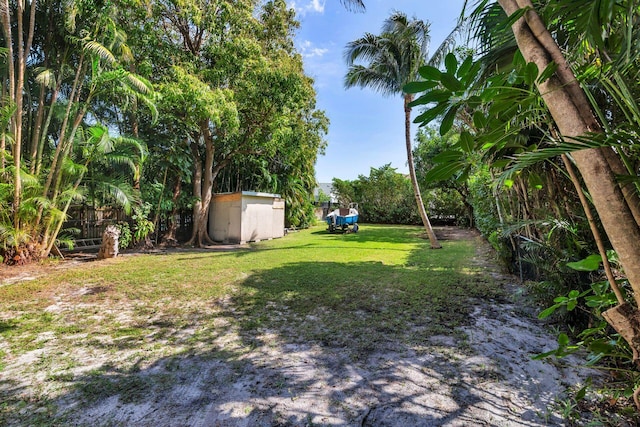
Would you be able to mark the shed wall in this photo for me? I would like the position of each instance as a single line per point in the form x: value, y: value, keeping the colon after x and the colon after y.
x: 225, y: 218
x: 246, y: 217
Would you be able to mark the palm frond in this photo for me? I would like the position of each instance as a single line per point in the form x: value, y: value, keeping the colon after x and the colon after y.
x: 354, y: 5
x: 364, y: 77
x: 121, y: 159
x: 55, y: 214
x: 365, y: 49
x: 72, y: 168
x: 414, y: 30
x: 118, y: 191
x: 140, y: 83
x: 136, y: 148
x: 618, y: 138
x: 71, y: 194
x: 46, y: 77
x: 101, y: 51
x: 28, y: 180
x: 7, y: 111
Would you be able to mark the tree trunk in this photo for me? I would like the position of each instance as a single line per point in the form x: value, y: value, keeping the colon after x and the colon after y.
x: 110, y: 243
x: 169, y: 238
x: 63, y: 127
x: 573, y: 116
x: 412, y: 173
x: 16, y: 119
x: 45, y: 128
x: 197, y: 193
x: 594, y: 230
x: 37, y: 128
x: 204, y: 176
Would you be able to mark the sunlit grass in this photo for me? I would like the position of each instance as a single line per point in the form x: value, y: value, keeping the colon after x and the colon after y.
x: 305, y: 270
x: 357, y: 292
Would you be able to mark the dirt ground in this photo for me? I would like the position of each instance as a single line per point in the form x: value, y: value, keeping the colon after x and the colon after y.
x: 482, y: 375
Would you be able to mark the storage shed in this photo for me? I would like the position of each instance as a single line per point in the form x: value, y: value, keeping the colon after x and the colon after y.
x: 246, y: 216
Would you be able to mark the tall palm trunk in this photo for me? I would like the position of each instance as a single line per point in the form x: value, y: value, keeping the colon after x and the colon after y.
x: 17, y: 64
x: 412, y: 173
x: 573, y: 116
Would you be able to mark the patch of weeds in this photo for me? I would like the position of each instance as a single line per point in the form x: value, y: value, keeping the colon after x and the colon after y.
x: 23, y: 331
x: 587, y: 406
x: 33, y: 410
x: 61, y: 377
x: 99, y: 385
x: 130, y: 332
x: 69, y: 329
x: 7, y: 325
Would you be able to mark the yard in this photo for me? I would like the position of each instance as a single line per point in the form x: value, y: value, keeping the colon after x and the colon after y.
x: 372, y: 328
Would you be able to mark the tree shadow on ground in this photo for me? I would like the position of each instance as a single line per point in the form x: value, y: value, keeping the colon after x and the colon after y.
x: 307, y: 343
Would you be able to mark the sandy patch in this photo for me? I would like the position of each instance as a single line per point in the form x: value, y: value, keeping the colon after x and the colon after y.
x: 482, y: 375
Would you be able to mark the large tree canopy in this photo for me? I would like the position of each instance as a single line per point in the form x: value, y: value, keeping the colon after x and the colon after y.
x: 202, y: 85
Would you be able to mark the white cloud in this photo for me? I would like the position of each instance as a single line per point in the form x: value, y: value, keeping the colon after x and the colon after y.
x: 307, y: 50
x: 313, y: 6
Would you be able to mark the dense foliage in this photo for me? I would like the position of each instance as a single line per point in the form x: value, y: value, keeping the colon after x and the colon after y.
x: 210, y: 95
x: 526, y: 129
x: 383, y: 197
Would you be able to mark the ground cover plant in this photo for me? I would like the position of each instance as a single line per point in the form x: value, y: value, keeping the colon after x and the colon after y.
x: 220, y: 335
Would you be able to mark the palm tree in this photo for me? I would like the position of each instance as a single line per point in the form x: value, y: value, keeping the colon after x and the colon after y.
x: 393, y: 59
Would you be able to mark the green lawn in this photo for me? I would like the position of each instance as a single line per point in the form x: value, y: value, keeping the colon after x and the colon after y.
x: 357, y: 292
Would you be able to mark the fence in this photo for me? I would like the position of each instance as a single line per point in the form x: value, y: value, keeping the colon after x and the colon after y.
x: 87, y: 224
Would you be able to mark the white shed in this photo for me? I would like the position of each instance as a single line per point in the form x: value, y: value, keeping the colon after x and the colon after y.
x: 246, y: 216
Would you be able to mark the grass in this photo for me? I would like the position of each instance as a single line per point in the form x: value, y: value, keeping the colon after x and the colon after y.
x: 359, y: 293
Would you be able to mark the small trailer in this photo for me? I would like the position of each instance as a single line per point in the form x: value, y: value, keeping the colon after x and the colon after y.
x: 341, y: 218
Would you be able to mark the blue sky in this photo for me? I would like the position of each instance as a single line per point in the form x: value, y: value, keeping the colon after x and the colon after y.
x: 367, y: 129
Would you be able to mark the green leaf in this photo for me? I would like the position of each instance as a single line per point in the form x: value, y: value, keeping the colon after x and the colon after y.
x: 535, y: 181
x: 469, y: 76
x: 544, y: 355
x: 429, y: 73
x: 444, y: 171
x: 474, y: 101
x: 450, y: 82
x: 580, y: 395
x: 439, y: 95
x: 451, y: 63
x: 563, y: 340
x: 547, y: 312
x: 601, y: 346
x: 464, y: 175
x: 447, y: 121
x: 547, y: 72
x: 479, y: 120
x: 465, y: 67
x: 501, y: 163
x: 466, y: 142
x: 571, y: 304
x: 431, y: 114
x: 590, y: 263
x: 530, y: 73
x: 415, y: 87
x: 448, y: 156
